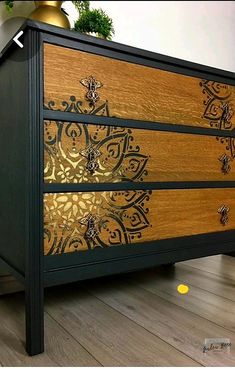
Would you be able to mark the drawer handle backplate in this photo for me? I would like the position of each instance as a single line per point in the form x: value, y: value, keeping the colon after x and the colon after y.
x: 91, y: 154
x: 227, y: 113
x: 225, y: 159
x: 91, y: 221
x: 92, y: 85
x: 223, y: 211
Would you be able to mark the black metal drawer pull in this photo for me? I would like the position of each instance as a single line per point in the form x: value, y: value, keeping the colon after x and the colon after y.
x: 227, y: 113
x: 92, y: 85
x: 91, y: 221
x: 91, y: 154
x: 223, y: 211
x: 225, y: 160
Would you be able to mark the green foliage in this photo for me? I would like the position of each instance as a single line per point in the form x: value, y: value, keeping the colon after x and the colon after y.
x: 82, y: 6
x: 9, y: 5
x: 95, y: 21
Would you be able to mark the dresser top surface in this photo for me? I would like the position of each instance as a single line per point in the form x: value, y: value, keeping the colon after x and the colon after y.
x: 64, y: 37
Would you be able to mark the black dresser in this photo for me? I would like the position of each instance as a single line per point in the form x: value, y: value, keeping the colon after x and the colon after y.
x: 112, y: 159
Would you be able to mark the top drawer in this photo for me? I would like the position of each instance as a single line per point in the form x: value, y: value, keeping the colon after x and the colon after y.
x: 82, y: 82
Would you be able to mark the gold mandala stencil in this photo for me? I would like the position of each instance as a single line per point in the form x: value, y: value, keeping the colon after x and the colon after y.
x: 80, y: 153
x: 120, y: 218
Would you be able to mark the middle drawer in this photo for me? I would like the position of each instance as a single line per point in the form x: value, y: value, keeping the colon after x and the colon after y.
x: 86, y: 153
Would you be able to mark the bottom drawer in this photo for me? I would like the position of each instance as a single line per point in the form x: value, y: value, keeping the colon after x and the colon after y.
x: 85, y: 220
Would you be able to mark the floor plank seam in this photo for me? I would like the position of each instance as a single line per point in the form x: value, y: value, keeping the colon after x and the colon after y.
x: 65, y: 330
x: 199, y: 288
x: 208, y: 272
x: 181, y: 307
x: 151, y: 333
x: 221, y: 275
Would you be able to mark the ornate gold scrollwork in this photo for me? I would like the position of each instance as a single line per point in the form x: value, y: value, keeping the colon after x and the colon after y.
x: 225, y: 160
x: 224, y: 210
x: 86, y: 220
x: 92, y: 85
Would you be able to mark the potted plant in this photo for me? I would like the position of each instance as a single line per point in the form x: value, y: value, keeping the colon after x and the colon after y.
x: 93, y: 21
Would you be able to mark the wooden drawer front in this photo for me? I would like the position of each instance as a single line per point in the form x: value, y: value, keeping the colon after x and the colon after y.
x: 133, y: 91
x: 82, y: 221
x: 124, y: 154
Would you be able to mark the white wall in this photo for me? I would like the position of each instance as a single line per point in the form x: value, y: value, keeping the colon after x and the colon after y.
x: 199, y: 31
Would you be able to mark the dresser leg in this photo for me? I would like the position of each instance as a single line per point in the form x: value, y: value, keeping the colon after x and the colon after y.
x: 168, y: 265
x: 34, y: 320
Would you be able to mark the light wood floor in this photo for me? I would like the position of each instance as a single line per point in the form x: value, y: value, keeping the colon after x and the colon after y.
x: 137, y: 319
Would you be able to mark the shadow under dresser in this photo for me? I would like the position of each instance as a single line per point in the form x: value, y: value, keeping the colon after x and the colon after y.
x: 113, y: 159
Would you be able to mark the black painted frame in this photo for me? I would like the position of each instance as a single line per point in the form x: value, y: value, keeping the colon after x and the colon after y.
x: 23, y: 113
x: 34, y: 284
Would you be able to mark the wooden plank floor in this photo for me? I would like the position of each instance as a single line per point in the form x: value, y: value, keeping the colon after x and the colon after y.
x: 137, y: 319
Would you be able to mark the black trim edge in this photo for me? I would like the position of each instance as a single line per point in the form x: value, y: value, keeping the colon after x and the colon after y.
x: 126, y: 49
x: 130, y: 264
x: 87, y: 187
x: 72, y: 39
x: 131, y: 123
x: 73, y: 259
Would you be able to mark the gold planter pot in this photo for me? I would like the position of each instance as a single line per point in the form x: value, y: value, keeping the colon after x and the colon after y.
x: 50, y: 12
